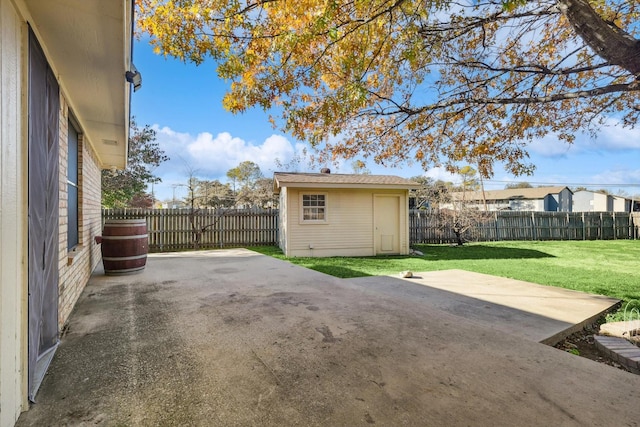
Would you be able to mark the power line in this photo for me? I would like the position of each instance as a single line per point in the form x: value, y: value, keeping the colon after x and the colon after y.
x: 574, y: 184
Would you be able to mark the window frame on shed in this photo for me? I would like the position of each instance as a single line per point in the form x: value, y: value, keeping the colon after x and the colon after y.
x: 310, y: 206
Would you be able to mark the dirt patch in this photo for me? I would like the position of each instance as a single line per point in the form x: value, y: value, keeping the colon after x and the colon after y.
x: 583, y: 344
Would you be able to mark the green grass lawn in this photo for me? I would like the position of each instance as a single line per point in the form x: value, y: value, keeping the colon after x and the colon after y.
x: 610, y: 267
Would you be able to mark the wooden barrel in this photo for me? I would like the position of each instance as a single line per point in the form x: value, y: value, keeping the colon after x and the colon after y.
x: 125, y: 244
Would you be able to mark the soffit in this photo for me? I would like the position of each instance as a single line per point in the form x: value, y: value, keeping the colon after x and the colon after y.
x: 329, y: 180
x: 88, y: 44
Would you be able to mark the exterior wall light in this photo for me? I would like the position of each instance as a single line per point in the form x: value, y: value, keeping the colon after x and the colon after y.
x: 134, y: 77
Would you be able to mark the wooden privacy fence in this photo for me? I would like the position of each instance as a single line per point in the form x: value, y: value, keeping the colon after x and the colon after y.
x: 426, y: 227
x: 183, y: 229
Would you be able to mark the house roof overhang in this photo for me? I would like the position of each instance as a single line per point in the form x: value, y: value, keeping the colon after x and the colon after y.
x: 89, y: 47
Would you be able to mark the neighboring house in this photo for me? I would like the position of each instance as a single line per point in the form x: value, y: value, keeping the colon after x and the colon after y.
x: 621, y: 204
x: 324, y: 214
x: 539, y: 199
x: 64, y: 116
x: 593, y: 201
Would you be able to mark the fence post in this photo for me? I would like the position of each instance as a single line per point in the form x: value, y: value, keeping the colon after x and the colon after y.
x: 601, y: 229
x: 160, y: 225
x: 533, y: 225
x: 220, y: 229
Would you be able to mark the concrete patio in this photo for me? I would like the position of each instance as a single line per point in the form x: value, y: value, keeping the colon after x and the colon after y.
x: 234, y: 338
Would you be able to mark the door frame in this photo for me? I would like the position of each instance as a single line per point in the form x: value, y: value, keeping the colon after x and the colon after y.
x: 43, y: 195
x: 376, y: 214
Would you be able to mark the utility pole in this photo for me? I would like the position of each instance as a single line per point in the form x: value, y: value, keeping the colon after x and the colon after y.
x: 173, y: 200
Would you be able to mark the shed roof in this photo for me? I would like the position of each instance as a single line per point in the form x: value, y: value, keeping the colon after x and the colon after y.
x: 336, y: 180
x: 511, y: 193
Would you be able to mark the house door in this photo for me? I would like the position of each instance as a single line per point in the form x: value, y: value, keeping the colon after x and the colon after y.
x: 386, y: 224
x: 44, y: 105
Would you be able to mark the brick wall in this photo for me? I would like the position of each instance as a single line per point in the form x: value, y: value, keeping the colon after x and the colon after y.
x: 75, y: 266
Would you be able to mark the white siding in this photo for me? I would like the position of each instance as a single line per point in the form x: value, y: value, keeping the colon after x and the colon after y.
x: 348, y: 230
x: 621, y: 204
x: 349, y: 227
x: 12, y: 215
x: 282, y: 221
x: 590, y: 201
x: 600, y: 202
x: 404, y: 223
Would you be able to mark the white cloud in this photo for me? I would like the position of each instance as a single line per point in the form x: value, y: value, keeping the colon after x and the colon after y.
x: 213, y: 156
x: 551, y: 146
x: 210, y: 157
x: 621, y: 176
x: 440, y: 173
x: 611, y: 137
x: 614, y: 136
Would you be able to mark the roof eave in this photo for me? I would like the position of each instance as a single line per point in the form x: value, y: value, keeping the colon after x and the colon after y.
x: 346, y: 185
x: 89, y: 46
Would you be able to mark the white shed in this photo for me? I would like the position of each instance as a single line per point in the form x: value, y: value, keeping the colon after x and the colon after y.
x: 324, y: 214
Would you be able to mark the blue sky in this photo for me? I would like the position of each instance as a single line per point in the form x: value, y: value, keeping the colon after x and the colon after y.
x: 184, y: 104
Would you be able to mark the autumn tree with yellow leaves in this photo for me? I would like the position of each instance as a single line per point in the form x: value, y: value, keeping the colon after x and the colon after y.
x: 432, y: 81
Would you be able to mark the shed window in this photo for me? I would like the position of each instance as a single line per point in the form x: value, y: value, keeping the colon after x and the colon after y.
x: 314, y: 207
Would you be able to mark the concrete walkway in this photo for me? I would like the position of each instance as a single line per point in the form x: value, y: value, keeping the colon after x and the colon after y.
x: 540, y: 313
x: 234, y: 338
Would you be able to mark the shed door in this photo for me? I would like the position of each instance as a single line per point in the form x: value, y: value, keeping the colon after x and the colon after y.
x: 44, y: 105
x: 386, y: 224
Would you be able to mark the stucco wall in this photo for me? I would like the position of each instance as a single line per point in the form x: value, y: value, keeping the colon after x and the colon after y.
x: 348, y: 230
x: 13, y: 291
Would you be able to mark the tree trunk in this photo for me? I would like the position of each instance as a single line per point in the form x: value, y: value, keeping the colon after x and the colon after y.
x: 605, y: 39
x: 458, y: 234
